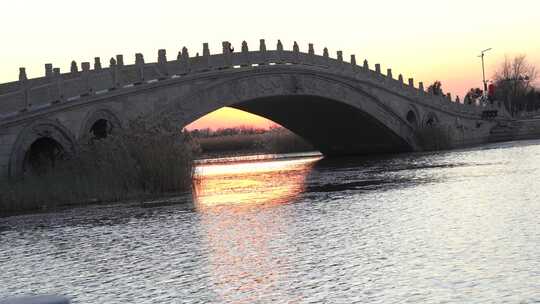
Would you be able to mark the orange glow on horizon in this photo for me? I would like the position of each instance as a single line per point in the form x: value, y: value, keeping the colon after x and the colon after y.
x: 230, y: 118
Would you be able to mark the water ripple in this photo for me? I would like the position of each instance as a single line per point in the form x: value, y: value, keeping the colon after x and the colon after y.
x: 447, y: 227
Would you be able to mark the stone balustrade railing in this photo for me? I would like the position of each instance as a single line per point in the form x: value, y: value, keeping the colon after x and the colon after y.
x: 17, y: 98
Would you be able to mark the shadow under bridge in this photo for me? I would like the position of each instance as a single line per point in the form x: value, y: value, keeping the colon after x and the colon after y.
x: 334, y: 128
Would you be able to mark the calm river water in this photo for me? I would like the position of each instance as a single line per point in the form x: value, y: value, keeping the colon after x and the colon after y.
x: 451, y: 227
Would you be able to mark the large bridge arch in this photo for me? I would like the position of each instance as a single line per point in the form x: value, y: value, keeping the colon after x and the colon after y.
x: 333, y: 114
x: 332, y: 126
x: 45, y: 135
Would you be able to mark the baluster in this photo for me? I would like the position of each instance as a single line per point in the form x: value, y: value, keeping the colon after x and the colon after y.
x: 279, y: 49
x: 262, y: 49
x: 245, y: 55
x: 48, y: 70
x: 279, y: 46
x: 120, y: 60
x: 139, y: 63
x: 86, y: 78
x: 296, y: 53
x: 206, y: 56
x: 311, y: 49
x: 97, y: 64
x: 114, y: 74
x: 340, y: 56
x: 227, y: 50
x: 59, y: 85
x: 162, y: 64
x: 185, y: 61
x: 23, y: 81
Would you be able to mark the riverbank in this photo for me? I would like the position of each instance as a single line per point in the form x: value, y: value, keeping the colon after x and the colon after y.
x: 137, y: 200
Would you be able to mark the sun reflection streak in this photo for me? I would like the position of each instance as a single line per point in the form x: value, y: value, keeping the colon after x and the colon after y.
x: 251, y: 183
x: 240, y: 238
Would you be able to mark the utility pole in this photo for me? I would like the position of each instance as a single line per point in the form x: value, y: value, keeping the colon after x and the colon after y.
x: 483, y: 69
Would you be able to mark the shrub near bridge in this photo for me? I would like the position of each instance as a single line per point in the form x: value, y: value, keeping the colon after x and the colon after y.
x: 135, y: 162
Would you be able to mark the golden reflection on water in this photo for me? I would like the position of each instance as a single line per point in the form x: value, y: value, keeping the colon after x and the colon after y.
x: 248, y: 184
x: 242, y: 261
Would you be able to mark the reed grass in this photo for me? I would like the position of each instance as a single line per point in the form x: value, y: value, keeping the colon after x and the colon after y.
x: 275, y: 140
x: 138, y: 161
x: 279, y: 140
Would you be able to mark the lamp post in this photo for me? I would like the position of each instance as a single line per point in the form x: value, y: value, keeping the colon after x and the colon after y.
x: 483, y: 69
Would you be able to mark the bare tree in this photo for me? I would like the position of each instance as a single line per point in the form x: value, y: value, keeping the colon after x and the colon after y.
x: 514, y: 81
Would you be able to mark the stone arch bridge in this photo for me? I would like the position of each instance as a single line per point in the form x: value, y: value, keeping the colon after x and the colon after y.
x: 340, y: 107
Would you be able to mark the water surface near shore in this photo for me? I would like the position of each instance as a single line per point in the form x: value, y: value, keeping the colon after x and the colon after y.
x: 456, y: 226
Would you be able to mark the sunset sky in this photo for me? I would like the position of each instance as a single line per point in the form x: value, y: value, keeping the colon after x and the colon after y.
x: 427, y: 40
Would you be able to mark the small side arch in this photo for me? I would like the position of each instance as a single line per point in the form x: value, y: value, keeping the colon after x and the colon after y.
x: 43, y: 138
x: 99, y: 123
x: 412, y: 116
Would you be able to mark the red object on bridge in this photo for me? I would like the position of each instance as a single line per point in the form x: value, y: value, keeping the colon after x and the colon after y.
x: 491, y: 90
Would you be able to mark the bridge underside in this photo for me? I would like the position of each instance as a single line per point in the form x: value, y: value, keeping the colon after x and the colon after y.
x: 334, y: 128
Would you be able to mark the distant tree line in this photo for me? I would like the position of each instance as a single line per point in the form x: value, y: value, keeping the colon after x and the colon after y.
x: 243, y: 130
x: 246, y: 140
